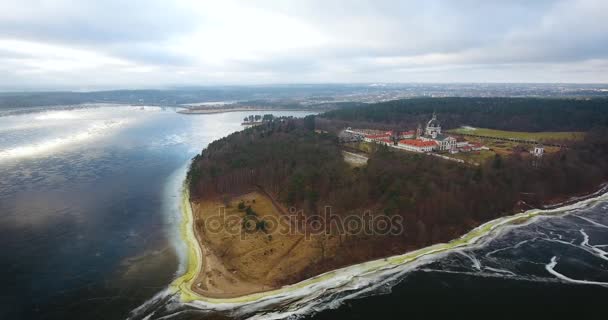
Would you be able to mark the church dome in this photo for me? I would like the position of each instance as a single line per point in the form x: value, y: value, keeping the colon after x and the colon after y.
x: 433, y: 123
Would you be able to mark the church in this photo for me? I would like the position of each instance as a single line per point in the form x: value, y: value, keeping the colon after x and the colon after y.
x: 429, y: 140
x: 433, y: 133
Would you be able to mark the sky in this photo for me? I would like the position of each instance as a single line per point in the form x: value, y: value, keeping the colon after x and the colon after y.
x: 85, y: 44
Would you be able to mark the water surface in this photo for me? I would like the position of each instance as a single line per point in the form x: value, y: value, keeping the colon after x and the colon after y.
x: 86, y: 221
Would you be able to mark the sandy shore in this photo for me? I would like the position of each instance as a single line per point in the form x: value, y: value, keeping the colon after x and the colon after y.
x: 187, y: 284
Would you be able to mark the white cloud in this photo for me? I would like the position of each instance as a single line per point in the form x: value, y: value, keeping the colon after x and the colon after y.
x: 41, y: 57
x: 187, y: 42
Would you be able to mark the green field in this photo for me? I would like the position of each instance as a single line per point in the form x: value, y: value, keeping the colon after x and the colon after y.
x: 536, y: 136
x: 474, y: 157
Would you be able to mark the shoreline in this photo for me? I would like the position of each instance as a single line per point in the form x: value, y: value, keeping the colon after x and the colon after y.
x: 183, y: 284
x: 188, y: 111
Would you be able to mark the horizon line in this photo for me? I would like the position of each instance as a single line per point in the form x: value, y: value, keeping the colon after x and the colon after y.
x: 285, y: 84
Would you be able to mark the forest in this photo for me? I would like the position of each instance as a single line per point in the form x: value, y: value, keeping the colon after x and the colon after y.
x: 438, y: 200
x: 516, y: 114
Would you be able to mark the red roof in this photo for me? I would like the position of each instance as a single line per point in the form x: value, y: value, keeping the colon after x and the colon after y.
x: 418, y: 143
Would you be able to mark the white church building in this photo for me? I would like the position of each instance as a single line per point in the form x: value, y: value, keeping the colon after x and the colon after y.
x: 432, y: 132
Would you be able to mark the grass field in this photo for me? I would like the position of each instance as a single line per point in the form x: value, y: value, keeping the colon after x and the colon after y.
x: 474, y: 157
x: 537, y: 136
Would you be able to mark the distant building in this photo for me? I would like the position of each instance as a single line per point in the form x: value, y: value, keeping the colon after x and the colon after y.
x: 466, y: 148
x: 428, y: 140
x: 444, y: 143
x: 538, y: 150
x: 433, y: 127
x: 461, y: 142
x: 400, y: 135
x: 476, y: 146
x: 419, y: 132
x: 377, y: 137
x: 407, y: 134
x: 348, y: 136
x: 417, y: 145
x: 432, y: 132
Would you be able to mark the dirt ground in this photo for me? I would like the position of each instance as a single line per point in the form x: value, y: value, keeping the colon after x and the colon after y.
x: 239, y: 260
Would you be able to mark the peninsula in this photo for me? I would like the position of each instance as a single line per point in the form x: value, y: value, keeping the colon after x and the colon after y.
x: 281, y: 202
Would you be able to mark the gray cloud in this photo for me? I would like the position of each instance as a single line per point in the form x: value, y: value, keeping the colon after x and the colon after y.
x: 184, y: 42
x: 94, y: 22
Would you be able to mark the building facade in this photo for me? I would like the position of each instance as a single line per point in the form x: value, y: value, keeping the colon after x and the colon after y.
x: 433, y: 133
x: 417, y: 145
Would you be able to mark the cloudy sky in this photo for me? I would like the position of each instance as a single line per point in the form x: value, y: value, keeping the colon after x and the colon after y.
x: 86, y: 44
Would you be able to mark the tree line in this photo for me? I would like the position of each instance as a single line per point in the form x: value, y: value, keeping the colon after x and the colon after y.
x: 517, y: 114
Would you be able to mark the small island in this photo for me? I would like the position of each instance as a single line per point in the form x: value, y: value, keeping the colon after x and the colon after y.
x: 289, y: 199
